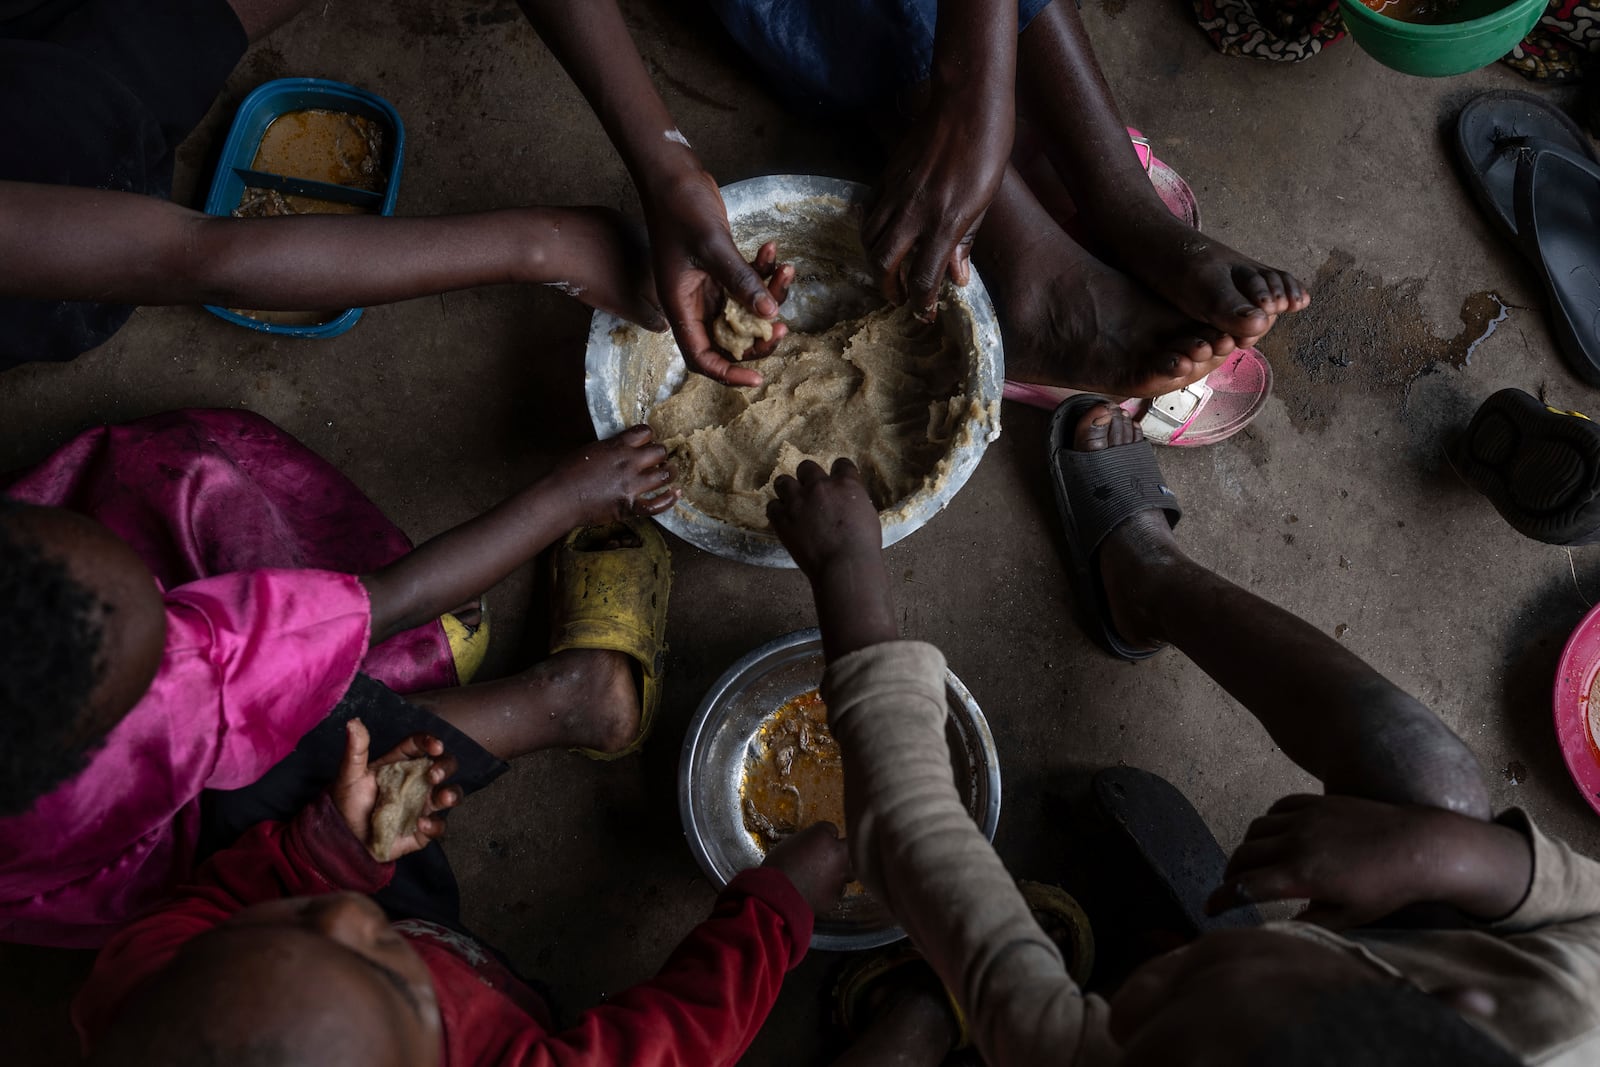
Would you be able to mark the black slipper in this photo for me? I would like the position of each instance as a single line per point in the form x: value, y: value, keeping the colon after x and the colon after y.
x: 1558, y: 215
x: 1538, y: 466
x: 1096, y: 491
x: 1537, y: 177
x: 1172, y: 842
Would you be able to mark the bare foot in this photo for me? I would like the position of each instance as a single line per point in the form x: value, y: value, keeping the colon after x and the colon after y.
x: 1070, y: 320
x: 1141, y: 549
x: 1200, y: 275
x: 1135, y: 230
x: 601, y: 709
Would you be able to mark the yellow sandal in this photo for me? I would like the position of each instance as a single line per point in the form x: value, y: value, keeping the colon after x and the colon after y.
x: 615, y: 599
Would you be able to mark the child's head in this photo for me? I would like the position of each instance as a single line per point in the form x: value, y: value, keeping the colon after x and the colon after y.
x: 289, y: 983
x: 82, y: 629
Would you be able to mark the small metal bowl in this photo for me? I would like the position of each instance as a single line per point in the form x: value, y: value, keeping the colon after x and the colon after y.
x: 816, y: 223
x: 722, y: 733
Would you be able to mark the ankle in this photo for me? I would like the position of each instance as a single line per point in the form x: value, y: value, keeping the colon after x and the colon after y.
x: 1145, y: 570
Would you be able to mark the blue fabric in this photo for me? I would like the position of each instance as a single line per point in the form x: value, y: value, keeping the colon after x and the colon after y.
x: 841, y: 55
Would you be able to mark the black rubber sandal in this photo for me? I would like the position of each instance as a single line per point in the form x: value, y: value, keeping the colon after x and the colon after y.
x: 1096, y: 491
x: 1539, y: 467
x: 1537, y: 177
x: 1173, y: 843
x: 1558, y: 216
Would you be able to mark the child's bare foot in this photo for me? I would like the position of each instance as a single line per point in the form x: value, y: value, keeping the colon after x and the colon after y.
x: 602, y: 711
x: 1070, y: 320
x: 1141, y: 548
x: 608, y: 481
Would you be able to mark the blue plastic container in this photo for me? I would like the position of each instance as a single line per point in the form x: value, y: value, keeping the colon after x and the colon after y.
x: 234, y: 170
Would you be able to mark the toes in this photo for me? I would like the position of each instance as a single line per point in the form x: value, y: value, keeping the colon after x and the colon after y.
x: 1094, y: 429
x: 1299, y: 299
x: 1280, y: 293
x: 1124, y: 431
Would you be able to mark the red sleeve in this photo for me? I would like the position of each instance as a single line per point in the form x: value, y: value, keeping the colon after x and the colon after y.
x: 315, y: 853
x: 705, y: 1006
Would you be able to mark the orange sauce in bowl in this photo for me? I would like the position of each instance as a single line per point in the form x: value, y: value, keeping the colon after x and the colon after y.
x: 795, y: 776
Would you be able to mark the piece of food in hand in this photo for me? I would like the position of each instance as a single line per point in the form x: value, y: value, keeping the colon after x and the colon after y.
x: 736, y: 330
x: 403, y: 791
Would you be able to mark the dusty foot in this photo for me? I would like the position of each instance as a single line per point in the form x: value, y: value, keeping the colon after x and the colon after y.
x: 1070, y: 320
x: 1140, y: 549
x: 601, y: 703
x: 1200, y: 275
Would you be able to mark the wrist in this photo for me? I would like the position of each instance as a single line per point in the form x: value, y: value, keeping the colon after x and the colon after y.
x: 537, y: 255
x: 667, y: 171
x: 854, y: 606
x: 1491, y: 871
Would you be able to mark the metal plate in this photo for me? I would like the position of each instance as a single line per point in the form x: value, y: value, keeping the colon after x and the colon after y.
x: 816, y: 222
x: 723, y: 732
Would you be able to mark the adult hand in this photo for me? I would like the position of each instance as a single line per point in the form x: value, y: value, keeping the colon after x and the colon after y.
x: 1359, y: 860
x: 934, y: 195
x: 355, y: 790
x: 822, y: 518
x: 817, y: 862
x: 697, y: 263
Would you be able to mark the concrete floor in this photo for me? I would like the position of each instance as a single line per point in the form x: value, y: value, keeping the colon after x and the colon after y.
x: 1337, y: 503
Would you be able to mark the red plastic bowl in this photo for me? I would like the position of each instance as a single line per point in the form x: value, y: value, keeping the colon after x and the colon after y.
x: 1575, y: 720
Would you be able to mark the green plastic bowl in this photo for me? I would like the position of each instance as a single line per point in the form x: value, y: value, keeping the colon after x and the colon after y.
x: 1439, y: 50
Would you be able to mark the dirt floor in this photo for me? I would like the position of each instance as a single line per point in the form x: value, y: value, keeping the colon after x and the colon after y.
x: 1338, y: 502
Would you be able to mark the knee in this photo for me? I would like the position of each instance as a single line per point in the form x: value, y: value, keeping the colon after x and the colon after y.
x: 1407, y: 755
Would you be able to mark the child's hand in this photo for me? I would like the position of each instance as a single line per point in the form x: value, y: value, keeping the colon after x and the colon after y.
x: 1359, y: 860
x: 355, y: 791
x: 596, y: 255
x: 817, y: 862
x: 607, y: 481
x: 830, y: 526
x: 822, y: 518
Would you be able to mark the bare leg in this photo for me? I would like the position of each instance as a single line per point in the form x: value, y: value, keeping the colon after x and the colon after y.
x: 1328, y: 710
x: 1060, y: 87
x: 916, y: 1031
x: 578, y: 698
x: 1071, y: 320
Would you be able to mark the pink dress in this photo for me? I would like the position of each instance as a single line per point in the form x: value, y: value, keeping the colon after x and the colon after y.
x: 256, y: 542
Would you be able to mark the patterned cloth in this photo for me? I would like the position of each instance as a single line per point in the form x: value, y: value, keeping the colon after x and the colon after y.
x: 1289, y: 31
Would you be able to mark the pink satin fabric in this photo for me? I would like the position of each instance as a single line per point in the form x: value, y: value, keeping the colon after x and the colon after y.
x: 203, y: 492
x: 257, y: 543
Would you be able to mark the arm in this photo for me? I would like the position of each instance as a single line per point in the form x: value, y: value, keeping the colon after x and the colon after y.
x: 321, y: 850
x: 601, y: 482
x: 1359, y: 860
x: 693, y: 251
x: 716, y: 989
x: 949, y: 165
x: 88, y: 244
x: 911, y: 839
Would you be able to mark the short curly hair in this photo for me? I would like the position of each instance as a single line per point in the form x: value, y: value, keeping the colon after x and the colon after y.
x: 51, y: 645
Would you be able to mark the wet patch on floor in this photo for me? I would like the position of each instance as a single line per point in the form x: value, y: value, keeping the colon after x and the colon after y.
x: 1361, y: 334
